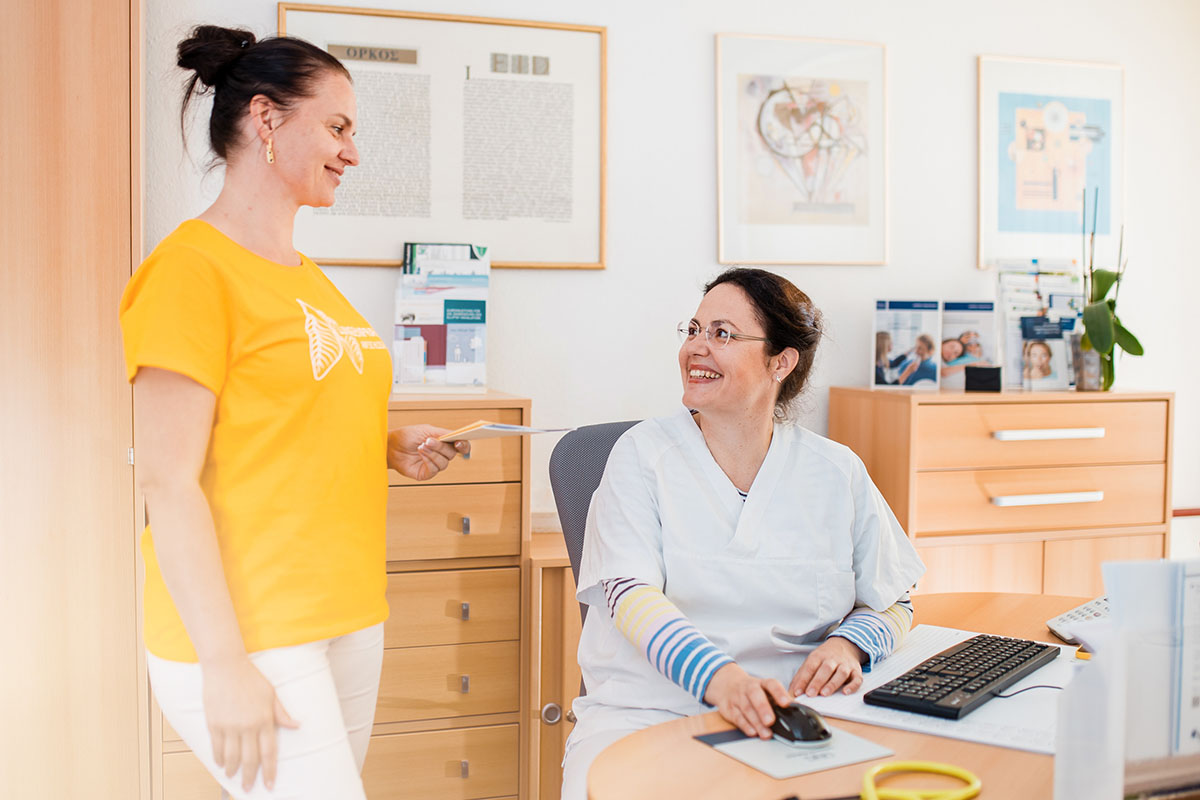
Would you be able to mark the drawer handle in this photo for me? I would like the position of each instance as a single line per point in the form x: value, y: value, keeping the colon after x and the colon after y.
x: 1053, y: 499
x: 465, y: 766
x: 466, y: 612
x: 571, y: 717
x: 551, y: 713
x: 464, y: 683
x: 1047, y: 434
x: 466, y: 526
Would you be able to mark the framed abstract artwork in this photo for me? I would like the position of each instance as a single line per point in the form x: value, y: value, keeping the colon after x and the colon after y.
x: 801, y: 151
x: 1048, y: 132
x: 470, y: 129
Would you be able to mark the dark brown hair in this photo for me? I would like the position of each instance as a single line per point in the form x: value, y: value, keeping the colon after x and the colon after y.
x: 788, y: 318
x: 235, y: 67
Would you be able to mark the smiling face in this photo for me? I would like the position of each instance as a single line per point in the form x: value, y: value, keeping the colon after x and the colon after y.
x: 951, y: 349
x: 313, y: 142
x: 735, y: 378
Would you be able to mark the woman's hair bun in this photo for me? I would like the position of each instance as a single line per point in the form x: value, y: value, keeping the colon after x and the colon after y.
x: 211, y: 50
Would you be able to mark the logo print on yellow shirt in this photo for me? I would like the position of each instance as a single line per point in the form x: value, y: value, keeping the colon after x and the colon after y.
x: 326, y: 343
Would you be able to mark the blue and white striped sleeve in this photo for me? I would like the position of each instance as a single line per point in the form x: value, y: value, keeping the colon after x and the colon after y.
x: 672, y: 644
x: 877, y: 633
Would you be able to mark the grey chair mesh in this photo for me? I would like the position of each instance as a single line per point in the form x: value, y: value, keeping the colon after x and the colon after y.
x: 576, y: 467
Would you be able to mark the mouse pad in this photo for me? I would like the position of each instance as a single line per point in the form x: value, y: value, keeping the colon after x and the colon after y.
x: 782, y: 760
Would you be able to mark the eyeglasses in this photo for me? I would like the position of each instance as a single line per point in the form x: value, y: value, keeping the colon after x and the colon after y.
x: 717, y: 337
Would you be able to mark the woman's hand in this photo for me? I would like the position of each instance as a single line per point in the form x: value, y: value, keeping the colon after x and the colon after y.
x: 836, y: 664
x: 242, y: 712
x: 415, y: 451
x: 742, y: 699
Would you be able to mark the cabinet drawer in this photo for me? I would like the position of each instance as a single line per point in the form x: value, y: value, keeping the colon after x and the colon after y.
x: 491, y: 460
x: 418, y: 766
x: 185, y: 778
x: 966, y: 502
x: 1073, y: 565
x: 427, y: 522
x: 427, y: 607
x: 429, y: 682
x: 963, y: 436
x: 1014, y: 567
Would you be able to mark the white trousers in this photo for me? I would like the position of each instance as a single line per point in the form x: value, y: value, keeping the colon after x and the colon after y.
x: 328, y: 686
x: 597, y: 728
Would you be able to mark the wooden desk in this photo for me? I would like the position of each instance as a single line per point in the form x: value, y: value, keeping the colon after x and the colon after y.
x: 664, y: 760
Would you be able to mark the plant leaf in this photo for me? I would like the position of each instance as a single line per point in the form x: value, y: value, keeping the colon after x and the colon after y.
x: 1126, y: 340
x: 1084, y: 342
x: 1098, y: 323
x: 1108, y: 371
x: 1102, y: 281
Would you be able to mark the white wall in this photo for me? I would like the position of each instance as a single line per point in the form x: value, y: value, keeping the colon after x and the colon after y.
x: 597, y: 346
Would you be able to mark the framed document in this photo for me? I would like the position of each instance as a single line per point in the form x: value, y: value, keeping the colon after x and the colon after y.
x: 1048, y: 130
x: 801, y: 151
x: 470, y: 129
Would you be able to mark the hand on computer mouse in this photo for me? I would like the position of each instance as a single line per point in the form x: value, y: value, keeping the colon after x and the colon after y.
x: 836, y: 664
x: 800, y: 725
x: 745, y: 700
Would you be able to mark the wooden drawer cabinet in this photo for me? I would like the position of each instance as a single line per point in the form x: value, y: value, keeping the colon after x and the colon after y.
x: 1039, y: 434
x: 454, y: 521
x: 460, y: 764
x: 453, y: 607
x: 185, y: 778
x: 449, y: 681
x: 1005, y: 500
x: 553, y: 646
x: 448, y: 721
x: 1021, y: 491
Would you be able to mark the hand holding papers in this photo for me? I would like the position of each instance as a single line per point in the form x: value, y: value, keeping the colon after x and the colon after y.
x: 482, y: 429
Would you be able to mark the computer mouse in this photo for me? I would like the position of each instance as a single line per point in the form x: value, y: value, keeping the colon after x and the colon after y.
x: 800, y: 725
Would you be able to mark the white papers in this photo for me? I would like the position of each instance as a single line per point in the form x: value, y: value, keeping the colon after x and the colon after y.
x: 1187, y: 737
x: 493, y: 430
x: 782, y: 760
x: 1089, y: 755
x: 1024, y: 722
x: 1155, y: 607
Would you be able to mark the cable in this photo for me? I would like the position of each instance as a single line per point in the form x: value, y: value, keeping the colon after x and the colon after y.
x: 1026, y: 689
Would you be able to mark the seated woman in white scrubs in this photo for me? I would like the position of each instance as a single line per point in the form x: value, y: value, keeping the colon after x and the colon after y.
x: 729, y: 554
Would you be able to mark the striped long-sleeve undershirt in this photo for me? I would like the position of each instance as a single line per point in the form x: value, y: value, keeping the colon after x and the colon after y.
x: 877, y: 633
x: 672, y: 644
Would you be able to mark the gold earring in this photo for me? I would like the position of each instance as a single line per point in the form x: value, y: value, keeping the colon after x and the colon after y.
x: 270, y: 151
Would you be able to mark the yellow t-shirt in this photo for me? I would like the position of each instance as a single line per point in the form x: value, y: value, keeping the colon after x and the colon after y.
x: 296, y: 469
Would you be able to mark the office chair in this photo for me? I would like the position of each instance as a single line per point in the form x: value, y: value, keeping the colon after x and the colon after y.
x: 576, y: 467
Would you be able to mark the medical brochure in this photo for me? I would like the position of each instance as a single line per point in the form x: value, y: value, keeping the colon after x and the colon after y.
x: 482, y: 429
x: 440, y: 336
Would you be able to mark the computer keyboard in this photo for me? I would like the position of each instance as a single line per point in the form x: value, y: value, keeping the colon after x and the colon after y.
x: 961, y: 678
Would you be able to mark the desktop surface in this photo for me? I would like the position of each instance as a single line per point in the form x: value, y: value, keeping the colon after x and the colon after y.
x: 665, y: 761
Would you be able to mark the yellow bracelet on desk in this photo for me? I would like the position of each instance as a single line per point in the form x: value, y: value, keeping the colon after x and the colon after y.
x: 871, y: 791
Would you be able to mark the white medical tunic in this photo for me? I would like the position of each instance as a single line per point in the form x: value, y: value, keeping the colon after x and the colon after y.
x: 786, y: 565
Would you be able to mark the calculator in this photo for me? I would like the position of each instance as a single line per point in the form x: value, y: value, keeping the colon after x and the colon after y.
x: 1094, y: 609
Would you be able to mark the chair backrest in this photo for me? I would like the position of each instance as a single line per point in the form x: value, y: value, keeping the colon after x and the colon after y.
x: 576, y: 467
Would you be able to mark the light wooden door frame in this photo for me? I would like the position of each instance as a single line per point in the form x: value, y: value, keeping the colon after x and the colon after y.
x: 70, y: 224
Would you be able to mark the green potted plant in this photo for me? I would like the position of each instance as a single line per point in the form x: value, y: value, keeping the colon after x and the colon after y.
x: 1102, y: 328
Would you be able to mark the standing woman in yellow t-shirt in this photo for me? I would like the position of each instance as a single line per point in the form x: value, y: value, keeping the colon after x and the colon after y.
x: 262, y: 442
